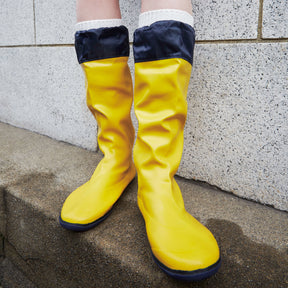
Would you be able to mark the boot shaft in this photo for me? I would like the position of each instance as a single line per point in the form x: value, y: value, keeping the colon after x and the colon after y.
x: 163, y: 55
x: 103, y: 54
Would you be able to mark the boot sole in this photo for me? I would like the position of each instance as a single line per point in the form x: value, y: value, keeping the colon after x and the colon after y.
x: 83, y: 227
x: 195, y: 275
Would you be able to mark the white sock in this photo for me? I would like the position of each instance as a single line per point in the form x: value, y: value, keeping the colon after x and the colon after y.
x: 149, y: 17
x: 95, y: 24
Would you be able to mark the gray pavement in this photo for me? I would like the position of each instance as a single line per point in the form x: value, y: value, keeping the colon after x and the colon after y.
x: 37, y: 174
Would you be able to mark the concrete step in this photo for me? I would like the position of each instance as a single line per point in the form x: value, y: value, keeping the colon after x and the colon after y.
x: 38, y: 173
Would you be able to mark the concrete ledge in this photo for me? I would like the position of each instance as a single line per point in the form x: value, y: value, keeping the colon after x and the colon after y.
x: 12, y: 277
x: 37, y: 173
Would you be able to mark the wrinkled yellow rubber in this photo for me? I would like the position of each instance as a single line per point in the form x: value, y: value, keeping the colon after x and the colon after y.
x: 109, y: 97
x: 176, y: 238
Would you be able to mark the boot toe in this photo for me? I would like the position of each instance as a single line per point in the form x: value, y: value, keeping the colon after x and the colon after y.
x: 188, y: 252
x: 79, y: 211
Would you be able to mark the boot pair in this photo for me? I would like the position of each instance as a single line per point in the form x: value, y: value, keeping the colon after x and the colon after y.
x: 163, y: 52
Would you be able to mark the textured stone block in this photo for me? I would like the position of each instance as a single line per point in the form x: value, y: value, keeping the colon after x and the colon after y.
x: 236, y: 133
x: 275, y: 19
x: 225, y: 19
x: 130, y: 11
x: 16, y: 22
x: 131, y: 66
x: 55, y: 21
x: 42, y: 89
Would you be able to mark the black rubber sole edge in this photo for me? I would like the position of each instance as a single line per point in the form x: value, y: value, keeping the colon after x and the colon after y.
x: 195, y: 275
x: 83, y: 227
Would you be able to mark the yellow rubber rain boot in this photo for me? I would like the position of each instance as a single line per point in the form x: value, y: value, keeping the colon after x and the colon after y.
x: 103, y: 54
x: 181, y: 246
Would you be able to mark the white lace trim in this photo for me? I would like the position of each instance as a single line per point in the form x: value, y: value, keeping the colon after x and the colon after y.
x: 95, y: 24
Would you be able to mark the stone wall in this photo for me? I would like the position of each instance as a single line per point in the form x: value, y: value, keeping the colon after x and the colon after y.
x: 237, y: 127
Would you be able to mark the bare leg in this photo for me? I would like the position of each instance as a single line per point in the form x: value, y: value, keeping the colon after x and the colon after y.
x: 97, y: 9
x: 148, y: 5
